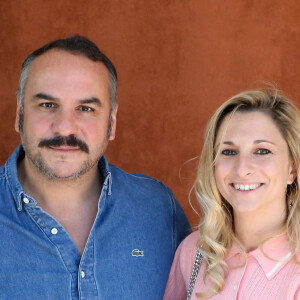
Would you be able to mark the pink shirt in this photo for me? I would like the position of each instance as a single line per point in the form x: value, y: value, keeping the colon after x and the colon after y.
x: 259, y: 278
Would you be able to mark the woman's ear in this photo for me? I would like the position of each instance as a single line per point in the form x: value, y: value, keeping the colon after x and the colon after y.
x: 292, y: 173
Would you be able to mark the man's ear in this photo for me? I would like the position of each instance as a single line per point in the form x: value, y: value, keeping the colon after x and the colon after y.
x: 113, y: 124
x: 17, y: 120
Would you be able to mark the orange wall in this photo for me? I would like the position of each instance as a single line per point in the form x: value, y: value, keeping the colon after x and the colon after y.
x: 176, y: 60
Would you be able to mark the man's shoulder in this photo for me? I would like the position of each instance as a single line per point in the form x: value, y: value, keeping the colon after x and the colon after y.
x: 2, y: 172
x: 142, y: 190
x: 136, y: 180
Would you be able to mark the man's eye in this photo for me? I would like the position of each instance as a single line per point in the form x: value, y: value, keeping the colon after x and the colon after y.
x: 86, y: 108
x: 228, y: 152
x: 262, y: 151
x: 47, y: 105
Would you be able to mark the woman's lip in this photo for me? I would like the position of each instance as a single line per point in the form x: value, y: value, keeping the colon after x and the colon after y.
x: 246, y: 186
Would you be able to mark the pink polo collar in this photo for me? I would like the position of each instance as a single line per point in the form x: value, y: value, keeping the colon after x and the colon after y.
x: 273, y: 256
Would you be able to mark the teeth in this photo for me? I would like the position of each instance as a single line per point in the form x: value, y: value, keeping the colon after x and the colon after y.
x: 245, y: 187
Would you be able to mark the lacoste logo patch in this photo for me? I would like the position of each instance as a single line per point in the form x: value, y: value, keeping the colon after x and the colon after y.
x: 137, y: 252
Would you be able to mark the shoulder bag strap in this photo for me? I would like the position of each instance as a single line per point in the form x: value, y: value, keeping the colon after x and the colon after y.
x: 195, y: 271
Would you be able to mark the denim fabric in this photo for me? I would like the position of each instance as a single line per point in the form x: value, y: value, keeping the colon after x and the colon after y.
x: 128, y: 254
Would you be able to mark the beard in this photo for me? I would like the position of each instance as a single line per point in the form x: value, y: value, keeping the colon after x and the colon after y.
x: 38, y: 160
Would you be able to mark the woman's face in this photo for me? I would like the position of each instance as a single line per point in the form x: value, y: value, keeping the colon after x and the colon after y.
x: 253, y: 168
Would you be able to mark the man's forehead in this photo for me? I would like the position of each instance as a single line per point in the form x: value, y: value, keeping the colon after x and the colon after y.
x: 59, y: 72
x: 60, y: 57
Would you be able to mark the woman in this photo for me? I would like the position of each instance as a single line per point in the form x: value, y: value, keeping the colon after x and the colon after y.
x: 248, y: 190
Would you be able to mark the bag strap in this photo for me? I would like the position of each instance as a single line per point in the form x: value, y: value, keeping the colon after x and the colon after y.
x: 195, y: 271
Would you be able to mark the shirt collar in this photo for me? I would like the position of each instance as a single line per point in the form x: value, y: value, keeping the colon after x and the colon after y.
x: 105, y: 170
x: 272, y: 257
x: 12, y: 176
x: 17, y: 190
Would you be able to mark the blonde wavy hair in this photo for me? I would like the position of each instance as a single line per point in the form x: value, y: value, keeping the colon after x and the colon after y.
x: 216, y: 227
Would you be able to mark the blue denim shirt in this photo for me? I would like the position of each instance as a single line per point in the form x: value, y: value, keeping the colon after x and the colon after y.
x: 128, y: 254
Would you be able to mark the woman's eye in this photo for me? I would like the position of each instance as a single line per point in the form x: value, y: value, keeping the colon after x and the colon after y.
x: 262, y: 151
x: 228, y: 152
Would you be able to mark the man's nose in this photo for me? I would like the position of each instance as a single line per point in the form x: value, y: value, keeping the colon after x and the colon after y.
x: 65, y: 124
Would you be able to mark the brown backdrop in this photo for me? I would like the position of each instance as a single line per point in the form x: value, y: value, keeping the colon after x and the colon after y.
x: 177, y: 60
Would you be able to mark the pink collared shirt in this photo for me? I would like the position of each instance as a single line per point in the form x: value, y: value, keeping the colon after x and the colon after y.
x: 257, y: 278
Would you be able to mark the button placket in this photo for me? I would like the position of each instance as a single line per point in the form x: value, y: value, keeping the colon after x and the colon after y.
x: 86, y: 278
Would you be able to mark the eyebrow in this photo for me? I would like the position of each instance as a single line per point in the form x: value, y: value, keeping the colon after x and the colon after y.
x: 92, y: 100
x: 255, y: 142
x: 263, y: 141
x: 44, y: 96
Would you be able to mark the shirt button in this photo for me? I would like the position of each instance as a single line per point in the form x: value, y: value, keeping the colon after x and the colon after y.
x: 26, y: 200
x: 54, y: 231
x: 235, y: 287
x: 82, y: 273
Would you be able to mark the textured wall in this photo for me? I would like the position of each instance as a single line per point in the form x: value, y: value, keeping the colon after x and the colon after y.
x: 177, y: 61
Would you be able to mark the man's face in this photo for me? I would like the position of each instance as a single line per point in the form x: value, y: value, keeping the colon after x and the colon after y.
x: 66, y: 114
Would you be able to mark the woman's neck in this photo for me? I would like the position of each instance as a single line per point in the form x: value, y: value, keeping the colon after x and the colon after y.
x: 252, y: 229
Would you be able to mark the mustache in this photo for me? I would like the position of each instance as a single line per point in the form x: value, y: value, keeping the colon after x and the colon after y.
x: 70, y: 140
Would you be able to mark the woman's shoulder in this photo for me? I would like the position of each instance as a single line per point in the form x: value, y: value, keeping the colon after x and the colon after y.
x: 181, y: 268
x: 190, y: 242
x: 188, y: 250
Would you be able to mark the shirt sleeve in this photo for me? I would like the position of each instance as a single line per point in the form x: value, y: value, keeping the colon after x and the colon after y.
x: 183, y: 228
x: 181, y: 225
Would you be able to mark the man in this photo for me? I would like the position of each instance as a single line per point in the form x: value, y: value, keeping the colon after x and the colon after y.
x: 73, y: 226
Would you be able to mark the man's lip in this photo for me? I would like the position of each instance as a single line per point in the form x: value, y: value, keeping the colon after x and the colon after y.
x: 64, y: 148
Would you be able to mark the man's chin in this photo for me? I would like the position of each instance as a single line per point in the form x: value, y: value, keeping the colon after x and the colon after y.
x: 61, y: 170
x: 62, y: 176
x: 62, y: 173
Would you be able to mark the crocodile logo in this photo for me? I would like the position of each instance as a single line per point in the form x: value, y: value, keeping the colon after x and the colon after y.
x: 137, y: 253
